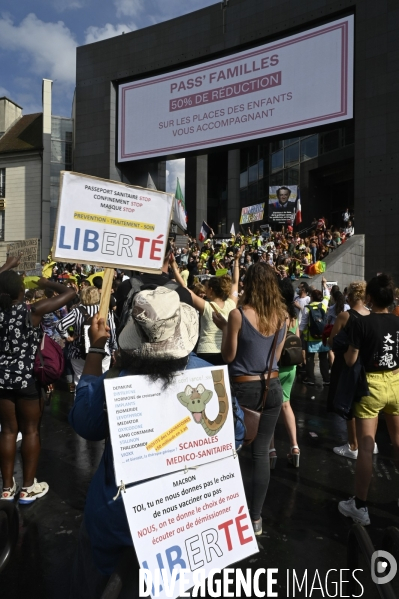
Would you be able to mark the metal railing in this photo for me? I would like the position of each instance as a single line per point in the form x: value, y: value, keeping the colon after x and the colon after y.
x: 359, y: 542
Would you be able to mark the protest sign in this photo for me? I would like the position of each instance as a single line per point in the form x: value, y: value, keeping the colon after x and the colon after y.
x: 251, y: 214
x: 195, y: 521
x: 157, y: 432
x: 28, y: 249
x: 111, y: 224
x: 282, y: 204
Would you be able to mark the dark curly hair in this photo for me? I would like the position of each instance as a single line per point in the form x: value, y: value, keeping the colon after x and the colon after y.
x: 381, y: 289
x: 11, y: 285
x: 154, y: 369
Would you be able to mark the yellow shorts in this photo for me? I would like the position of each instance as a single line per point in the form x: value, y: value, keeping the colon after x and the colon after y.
x: 384, y: 396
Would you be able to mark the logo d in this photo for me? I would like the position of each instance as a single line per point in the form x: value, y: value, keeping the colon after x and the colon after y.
x: 383, y: 567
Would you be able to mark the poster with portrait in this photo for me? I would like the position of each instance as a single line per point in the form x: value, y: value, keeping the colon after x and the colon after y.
x: 282, y: 204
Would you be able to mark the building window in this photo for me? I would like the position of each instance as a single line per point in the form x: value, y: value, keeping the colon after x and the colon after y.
x: 309, y: 147
x: 2, y: 182
x: 253, y: 173
x: 291, y: 155
x: 277, y: 161
x: 244, y: 179
x: 2, y: 220
x: 330, y: 140
x: 260, y: 167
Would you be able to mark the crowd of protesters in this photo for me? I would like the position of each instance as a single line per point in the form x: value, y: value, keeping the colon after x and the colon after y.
x: 237, y: 306
x: 289, y: 253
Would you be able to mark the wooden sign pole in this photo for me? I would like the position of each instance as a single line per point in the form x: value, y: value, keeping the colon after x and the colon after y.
x: 106, y: 293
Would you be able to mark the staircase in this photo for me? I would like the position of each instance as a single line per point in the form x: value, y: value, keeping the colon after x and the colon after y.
x: 343, y: 265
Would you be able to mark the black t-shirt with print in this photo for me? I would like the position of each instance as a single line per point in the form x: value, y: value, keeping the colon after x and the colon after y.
x: 377, y: 338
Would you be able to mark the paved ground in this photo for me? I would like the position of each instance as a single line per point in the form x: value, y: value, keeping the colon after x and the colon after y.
x: 302, y: 527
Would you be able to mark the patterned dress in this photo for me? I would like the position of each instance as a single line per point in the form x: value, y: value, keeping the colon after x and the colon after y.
x: 19, y: 341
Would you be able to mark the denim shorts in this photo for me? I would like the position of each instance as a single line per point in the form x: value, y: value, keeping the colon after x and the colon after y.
x: 250, y: 394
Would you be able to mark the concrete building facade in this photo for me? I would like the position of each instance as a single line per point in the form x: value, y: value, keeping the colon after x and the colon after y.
x: 34, y: 149
x: 356, y: 162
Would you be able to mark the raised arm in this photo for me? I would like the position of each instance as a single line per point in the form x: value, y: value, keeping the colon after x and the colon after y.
x: 176, y: 273
x: 11, y: 262
x: 198, y: 302
x: 236, y: 275
x: 88, y: 417
x: 44, y: 306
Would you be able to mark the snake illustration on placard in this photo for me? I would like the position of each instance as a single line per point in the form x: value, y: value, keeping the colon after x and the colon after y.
x: 195, y: 400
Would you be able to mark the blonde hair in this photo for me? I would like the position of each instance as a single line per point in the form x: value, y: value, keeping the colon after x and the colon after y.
x: 198, y: 288
x: 357, y: 291
x: 89, y: 296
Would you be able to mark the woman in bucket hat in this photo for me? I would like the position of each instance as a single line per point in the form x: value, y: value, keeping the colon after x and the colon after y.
x: 157, y: 341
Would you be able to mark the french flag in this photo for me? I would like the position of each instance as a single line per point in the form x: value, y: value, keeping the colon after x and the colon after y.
x: 298, y: 212
x: 205, y: 230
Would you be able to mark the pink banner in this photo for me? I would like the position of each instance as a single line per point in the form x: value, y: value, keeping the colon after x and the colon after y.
x: 227, y: 91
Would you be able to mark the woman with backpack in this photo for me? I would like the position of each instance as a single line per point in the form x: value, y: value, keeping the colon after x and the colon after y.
x: 80, y: 317
x: 356, y: 299
x: 21, y: 403
x: 312, y: 326
x: 252, y: 341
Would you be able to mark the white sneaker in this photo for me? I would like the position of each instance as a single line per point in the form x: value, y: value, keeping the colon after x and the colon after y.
x: 30, y: 494
x: 10, y: 493
x: 19, y: 437
x: 359, y: 516
x: 346, y: 452
x: 375, y: 450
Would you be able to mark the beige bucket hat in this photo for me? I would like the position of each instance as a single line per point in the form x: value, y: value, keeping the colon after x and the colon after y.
x: 160, y: 326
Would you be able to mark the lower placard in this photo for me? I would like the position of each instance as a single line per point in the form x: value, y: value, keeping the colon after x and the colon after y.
x: 189, y: 523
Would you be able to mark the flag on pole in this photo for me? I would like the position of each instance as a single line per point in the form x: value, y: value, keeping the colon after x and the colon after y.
x: 298, y: 212
x: 232, y: 230
x: 150, y: 183
x: 179, y: 215
x: 205, y: 230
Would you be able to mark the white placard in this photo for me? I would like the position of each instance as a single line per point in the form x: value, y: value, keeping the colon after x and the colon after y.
x: 194, y: 521
x: 301, y: 81
x: 157, y: 432
x: 111, y: 224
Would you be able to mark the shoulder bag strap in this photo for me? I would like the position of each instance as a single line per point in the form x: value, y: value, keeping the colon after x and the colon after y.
x: 215, y: 307
x: 273, y: 351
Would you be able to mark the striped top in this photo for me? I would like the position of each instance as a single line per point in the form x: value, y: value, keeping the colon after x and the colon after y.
x: 75, y: 319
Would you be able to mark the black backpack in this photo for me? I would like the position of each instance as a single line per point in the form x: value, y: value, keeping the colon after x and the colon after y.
x: 292, y: 351
x: 317, y: 320
x: 136, y: 285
